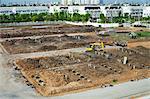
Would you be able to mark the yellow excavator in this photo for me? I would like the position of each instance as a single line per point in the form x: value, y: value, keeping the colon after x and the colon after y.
x: 95, y: 47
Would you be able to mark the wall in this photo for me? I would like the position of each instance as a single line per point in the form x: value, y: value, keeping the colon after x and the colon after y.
x: 95, y: 24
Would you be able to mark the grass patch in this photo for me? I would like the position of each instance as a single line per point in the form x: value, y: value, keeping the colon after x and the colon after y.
x: 143, y: 34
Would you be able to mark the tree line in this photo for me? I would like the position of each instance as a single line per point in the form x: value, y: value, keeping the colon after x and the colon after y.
x: 65, y: 16
x: 34, y: 17
x: 121, y: 19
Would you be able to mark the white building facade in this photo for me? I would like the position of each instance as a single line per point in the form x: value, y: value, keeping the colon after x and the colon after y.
x: 24, y: 10
x: 80, y: 2
x: 146, y: 11
x: 94, y: 11
x: 111, y: 11
x: 133, y: 11
x: 64, y: 2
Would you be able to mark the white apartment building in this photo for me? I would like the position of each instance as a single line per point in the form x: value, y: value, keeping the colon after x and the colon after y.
x: 94, y: 11
x: 133, y: 11
x: 136, y: 12
x: 80, y: 2
x: 77, y: 2
x: 64, y: 2
x: 111, y: 11
x: 95, y: 2
x: 24, y: 9
x: 146, y: 11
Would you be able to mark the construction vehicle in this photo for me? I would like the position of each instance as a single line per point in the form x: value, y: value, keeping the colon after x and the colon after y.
x: 95, y: 47
x: 133, y: 35
x: 120, y: 43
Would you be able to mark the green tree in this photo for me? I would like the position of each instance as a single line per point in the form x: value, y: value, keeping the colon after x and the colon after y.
x: 76, y: 17
x: 87, y: 16
x: 63, y: 16
x: 69, y: 17
x: 102, y: 18
x: 56, y: 16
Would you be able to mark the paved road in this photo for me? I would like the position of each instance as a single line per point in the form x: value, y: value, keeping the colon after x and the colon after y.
x: 122, y: 91
x: 10, y: 86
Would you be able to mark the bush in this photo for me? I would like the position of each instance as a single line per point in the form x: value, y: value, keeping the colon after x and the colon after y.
x: 57, y: 16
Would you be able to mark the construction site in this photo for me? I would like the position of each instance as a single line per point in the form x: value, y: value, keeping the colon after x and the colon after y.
x: 61, y: 59
x: 45, y: 30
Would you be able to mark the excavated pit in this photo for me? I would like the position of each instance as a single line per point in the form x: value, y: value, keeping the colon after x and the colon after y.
x: 16, y: 46
x: 80, y: 71
x: 49, y: 30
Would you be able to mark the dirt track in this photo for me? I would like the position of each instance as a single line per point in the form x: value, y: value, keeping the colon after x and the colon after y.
x: 140, y: 43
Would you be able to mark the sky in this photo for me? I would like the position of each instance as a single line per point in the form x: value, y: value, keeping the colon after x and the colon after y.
x: 47, y: 1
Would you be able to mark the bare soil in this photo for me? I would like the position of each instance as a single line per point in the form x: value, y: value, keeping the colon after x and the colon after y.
x: 50, y: 30
x: 16, y: 46
x: 61, y: 74
x: 74, y: 72
x: 139, y: 43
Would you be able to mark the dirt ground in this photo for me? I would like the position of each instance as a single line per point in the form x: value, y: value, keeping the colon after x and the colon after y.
x: 75, y: 71
x: 52, y: 37
x: 50, y: 30
x: 131, y: 29
x: 139, y: 43
x: 17, y: 46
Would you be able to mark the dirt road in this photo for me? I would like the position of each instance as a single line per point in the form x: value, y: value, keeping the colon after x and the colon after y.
x: 48, y: 53
x: 36, y: 37
x: 142, y: 43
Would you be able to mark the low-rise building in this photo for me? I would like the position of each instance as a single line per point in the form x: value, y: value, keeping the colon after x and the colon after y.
x: 24, y: 9
x: 80, y: 2
x: 94, y: 11
x: 146, y: 11
x: 111, y: 11
x: 136, y: 11
x: 133, y: 11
